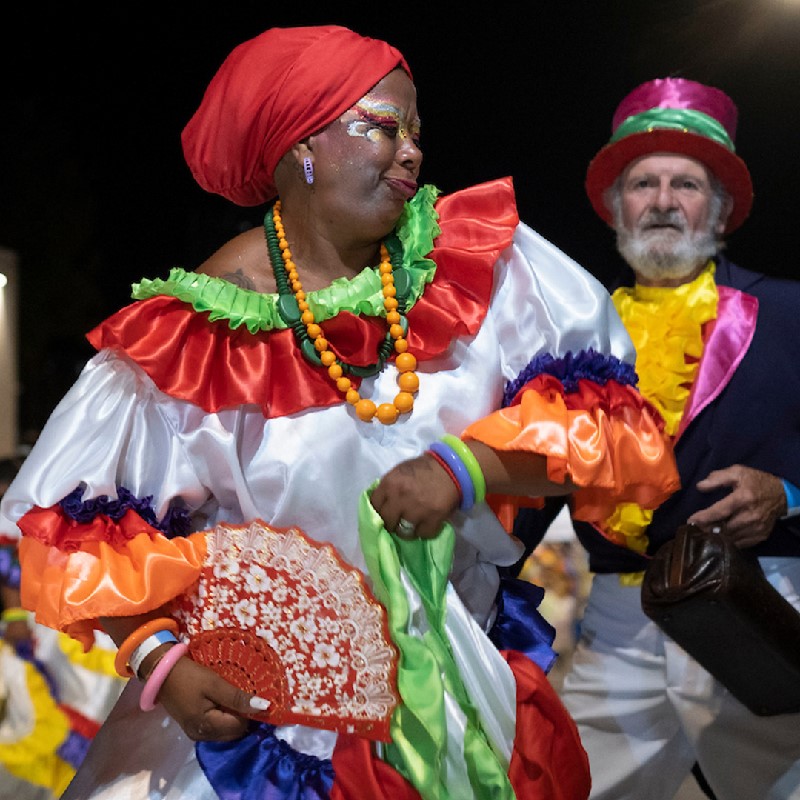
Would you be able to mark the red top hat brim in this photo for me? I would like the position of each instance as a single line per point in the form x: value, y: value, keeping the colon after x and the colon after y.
x: 609, y: 163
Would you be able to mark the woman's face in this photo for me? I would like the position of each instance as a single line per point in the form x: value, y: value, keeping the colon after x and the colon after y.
x: 366, y: 163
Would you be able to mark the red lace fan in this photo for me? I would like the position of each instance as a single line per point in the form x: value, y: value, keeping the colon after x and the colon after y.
x: 281, y: 615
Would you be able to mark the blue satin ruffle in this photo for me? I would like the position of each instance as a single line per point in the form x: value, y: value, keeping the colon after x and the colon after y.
x: 260, y: 766
x: 519, y: 625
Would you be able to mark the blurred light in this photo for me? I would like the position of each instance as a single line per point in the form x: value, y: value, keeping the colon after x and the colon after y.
x: 3, y: 280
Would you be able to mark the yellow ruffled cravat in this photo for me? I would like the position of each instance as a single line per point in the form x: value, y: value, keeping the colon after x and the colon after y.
x: 666, y: 327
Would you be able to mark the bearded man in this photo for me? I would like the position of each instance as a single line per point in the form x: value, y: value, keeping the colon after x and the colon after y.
x: 716, y: 354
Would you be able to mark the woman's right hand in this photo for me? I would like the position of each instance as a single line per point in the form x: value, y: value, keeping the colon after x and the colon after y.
x: 417, y: 492
x: 205, y: 705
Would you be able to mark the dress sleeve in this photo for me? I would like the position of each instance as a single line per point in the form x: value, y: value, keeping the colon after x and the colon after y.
x: 100, y: 507
x: 571, y: 391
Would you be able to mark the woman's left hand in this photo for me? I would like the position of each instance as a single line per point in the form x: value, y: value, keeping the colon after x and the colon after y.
x: 416, y: 498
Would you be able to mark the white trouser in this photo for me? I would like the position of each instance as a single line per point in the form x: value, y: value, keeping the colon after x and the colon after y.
x: 646, y: 710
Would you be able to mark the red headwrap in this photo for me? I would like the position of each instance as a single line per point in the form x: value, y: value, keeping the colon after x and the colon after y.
x: 270, y: 93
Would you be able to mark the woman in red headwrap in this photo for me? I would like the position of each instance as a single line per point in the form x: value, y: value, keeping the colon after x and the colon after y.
x: 279, y: 485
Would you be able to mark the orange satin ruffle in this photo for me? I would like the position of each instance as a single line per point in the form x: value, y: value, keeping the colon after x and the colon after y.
x: 607, y: 440
x: 70, y: 591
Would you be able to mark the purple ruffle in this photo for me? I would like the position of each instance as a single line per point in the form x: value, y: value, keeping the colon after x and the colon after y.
x: 174, y: 523
x: 259, y: 766
x: 584, y: 365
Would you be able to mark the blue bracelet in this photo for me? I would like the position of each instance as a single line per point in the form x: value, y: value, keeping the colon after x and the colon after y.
x: 460, y: 471
x: 792, y: 498
x: 471, y: 463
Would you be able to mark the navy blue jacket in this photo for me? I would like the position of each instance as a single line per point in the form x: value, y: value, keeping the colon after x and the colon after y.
x: 754, y: 420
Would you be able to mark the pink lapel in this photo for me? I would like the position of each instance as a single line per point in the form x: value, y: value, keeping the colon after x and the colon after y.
x: 727, y: 340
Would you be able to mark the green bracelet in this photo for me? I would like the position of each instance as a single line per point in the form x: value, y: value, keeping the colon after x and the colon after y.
x: 471, y: 463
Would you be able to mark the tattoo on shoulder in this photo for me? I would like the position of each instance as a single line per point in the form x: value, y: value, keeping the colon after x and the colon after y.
x: 239, y: 279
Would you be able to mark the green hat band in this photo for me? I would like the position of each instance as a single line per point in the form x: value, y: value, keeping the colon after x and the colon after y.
x: 679, y: 119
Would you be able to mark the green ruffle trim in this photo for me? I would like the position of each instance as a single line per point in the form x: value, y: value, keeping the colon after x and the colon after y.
x: 221, y: 300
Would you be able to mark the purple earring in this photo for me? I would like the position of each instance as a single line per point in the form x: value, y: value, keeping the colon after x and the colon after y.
x: 308, y: 168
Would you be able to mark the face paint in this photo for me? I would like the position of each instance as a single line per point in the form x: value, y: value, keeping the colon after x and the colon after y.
x: 377, y: 119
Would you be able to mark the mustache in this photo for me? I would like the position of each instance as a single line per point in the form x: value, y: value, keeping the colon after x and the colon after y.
x: 655, y: 218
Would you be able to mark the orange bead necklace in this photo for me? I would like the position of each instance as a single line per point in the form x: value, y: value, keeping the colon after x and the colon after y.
x: 314, y: 345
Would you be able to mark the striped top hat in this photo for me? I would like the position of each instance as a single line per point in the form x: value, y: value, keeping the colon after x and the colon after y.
x: 674, y: 115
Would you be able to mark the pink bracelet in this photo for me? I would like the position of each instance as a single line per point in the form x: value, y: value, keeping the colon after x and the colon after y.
x: 147, y: 701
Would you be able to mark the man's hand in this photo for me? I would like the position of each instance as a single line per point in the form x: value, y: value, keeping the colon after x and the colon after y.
x: 749, y: 512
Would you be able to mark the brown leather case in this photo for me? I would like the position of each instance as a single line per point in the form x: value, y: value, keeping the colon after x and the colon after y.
x: 719, y: 606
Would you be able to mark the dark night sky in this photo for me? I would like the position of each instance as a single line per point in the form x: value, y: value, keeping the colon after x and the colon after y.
x: 94, y: 192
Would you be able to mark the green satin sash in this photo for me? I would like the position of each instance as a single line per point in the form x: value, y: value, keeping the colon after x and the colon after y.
x: 427, y: 668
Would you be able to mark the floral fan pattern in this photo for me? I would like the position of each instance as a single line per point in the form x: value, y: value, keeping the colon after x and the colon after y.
x: 279, y: 614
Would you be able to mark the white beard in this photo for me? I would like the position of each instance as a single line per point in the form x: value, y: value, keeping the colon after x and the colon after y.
x: 672, y: 253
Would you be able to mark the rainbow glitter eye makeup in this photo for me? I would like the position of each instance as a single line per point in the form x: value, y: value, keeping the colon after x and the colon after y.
x: 368, y: 130
x: 377, y: 119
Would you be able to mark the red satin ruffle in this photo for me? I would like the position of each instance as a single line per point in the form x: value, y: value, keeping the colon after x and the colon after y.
x: 52, y: 527
x: 361, y: 775
x: 548, y: 761
x: 214, y: 367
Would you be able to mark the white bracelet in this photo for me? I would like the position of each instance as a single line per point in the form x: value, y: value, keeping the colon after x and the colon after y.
x: 147, y: 646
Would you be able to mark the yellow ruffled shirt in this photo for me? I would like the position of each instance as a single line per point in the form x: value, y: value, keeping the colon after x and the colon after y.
x: 666, y: 327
